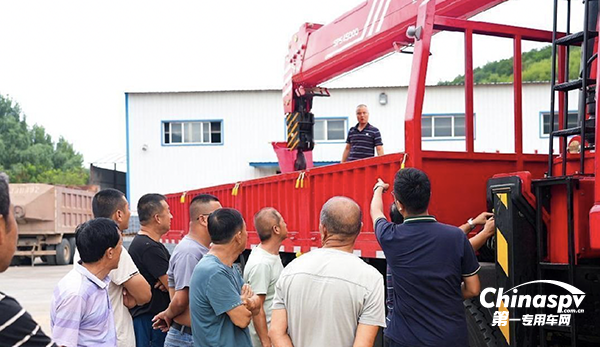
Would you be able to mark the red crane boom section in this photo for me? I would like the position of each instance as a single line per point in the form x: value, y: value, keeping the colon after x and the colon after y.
x: 318, y: 53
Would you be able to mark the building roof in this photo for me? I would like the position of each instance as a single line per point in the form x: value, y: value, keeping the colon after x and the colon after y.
x: 259, y: 89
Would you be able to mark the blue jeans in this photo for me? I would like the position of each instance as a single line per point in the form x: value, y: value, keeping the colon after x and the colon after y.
x: 145, y: 336
x: 176, y: 338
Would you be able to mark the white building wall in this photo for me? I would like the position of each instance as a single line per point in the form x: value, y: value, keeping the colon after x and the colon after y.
x: 252, y: 119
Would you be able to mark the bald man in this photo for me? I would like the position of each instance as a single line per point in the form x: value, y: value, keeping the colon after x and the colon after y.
x: 329, y: 296
x: 263, y: 269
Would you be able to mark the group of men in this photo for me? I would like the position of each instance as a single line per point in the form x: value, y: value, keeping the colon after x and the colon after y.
x: 198, y: 297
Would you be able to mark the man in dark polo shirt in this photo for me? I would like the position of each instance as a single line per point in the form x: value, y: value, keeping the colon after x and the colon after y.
x: 363, y: 138
x: 433, y: 266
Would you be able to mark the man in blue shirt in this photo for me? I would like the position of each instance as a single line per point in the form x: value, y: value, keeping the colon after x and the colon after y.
x: 221, y: 304
x: 433, y: 266
x: 176, y: 318
x: 363, y: 138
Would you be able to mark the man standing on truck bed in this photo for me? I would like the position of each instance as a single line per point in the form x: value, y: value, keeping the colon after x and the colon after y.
x: 127, y: 288
x: 433, y: 265
x: 363, y: 138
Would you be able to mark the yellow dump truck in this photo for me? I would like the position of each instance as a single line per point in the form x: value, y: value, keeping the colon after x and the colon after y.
x: 47, y: 216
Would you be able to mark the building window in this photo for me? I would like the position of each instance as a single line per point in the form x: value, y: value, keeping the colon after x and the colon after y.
x: 193, y: 132
x: 443, y: 126
x: 332, y: 129
x: 571, y: 121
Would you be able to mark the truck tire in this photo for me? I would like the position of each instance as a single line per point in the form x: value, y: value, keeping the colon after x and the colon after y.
x: 63, y: 252
x: 73, y: 247
x: 50, y: 259
x: 481, y: 333
x: 20, y: 261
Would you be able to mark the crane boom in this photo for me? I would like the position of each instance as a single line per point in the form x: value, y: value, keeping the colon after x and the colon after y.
x: 318, y: 53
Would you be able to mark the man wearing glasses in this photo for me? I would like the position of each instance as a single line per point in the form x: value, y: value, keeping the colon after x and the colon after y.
x: 176, y: 318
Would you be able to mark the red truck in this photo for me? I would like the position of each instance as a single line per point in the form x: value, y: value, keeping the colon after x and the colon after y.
x: 546, y: 207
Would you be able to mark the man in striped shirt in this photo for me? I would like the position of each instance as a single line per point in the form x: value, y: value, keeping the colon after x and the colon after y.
x: 81, y: 314
x: 17, y: 328
x: 363, y: 138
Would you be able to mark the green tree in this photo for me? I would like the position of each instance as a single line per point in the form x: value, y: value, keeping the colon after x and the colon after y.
x: 29, y: 155
x: 535, y: 68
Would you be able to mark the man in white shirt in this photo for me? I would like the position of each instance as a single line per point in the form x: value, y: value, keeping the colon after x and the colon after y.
x: 332, y: 285
x: 263, y: 269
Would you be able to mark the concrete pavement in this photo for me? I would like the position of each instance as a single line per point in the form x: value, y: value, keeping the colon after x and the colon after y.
x: 32, y: 286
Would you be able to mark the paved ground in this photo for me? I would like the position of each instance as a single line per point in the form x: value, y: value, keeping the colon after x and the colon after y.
x: 32, y: 287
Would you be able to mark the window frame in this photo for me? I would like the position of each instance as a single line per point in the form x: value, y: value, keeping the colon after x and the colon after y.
x: 541, y: 122
x: 345, y: 119
x: 325, y: 142
x: 453, y: 116
x: 182, y: 143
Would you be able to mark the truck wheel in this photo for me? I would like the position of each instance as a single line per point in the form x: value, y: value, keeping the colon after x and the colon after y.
x: 20, y: 261
x: 73, y: 247
x: 63, y: 252
x: 481, y: 333
x: 50, y: 259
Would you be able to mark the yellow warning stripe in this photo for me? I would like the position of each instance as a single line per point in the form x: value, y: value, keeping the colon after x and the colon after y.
x: 294, y: 144
x: 502, y: 251
x: 292, y: 137
x: 294, y: 118
x: 502, y: 260
x: 294, y: 128
x: 506, y: 328
x: 504, y: 198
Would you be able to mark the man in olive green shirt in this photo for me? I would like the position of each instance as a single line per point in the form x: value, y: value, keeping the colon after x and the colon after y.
x: 263, y: 269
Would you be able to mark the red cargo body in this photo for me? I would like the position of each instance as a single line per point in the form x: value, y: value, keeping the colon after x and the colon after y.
x: 458, y: 192
x: 179, y: 204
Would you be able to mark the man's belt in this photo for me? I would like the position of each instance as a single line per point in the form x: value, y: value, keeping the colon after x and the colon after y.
x: 182, y: 328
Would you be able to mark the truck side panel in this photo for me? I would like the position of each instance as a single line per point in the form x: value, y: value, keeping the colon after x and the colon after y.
x: 458, y: 192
